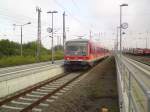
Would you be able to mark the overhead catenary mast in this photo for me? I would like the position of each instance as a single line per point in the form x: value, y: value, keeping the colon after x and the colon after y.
x: 64, y: 31
x: 39, y: 33
x: 90, y: 35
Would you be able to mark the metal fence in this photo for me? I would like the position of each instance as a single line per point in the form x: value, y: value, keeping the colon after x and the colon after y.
x: 134, y: 96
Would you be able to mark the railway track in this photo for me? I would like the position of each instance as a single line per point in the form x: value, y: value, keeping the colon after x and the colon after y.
x: 144, y: 60
x: 7, y: 70
x: 141, y: 61
x: 39, y: 97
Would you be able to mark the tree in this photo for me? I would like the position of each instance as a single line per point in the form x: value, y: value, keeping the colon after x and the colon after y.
x: 8, y: 48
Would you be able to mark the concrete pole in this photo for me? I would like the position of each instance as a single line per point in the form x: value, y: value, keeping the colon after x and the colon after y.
x: 64, y: 31
x: 120, y: 30
x: 21, y: 42
x: 52, y: 42
x: 52, y: 49
x: 39, y: 34
x: 147, y: 40
x: 117, y: 38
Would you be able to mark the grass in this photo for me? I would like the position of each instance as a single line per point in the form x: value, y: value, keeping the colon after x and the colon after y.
x: 21, y: 60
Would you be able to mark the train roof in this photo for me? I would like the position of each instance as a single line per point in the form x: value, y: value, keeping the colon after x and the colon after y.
x: 85, y: 40
x: 79, y: 39
x: 82, y: 40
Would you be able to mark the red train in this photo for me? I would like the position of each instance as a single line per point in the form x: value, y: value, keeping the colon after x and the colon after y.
x: 82, y: 53
x: 137, y: 51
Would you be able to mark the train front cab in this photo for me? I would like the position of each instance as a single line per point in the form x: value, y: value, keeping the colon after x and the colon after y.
x: 76, y: 55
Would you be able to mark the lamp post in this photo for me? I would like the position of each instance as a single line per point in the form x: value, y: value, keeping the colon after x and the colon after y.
x: 146, y: 40
x: 122, y: 5
x: 117, y: 38
x: 21, y: 25
x: 52, y: 50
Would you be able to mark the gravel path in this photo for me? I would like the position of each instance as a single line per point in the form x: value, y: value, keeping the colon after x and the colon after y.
x: 98, y: 89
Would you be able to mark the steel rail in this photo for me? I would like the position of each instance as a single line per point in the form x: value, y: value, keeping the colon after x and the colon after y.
x: 33, y: 88
x: 47, y: 95
x: 139, y: 60
x: 30, y: 107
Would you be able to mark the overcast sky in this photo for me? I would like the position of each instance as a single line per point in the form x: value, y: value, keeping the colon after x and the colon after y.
x: 99, y: 16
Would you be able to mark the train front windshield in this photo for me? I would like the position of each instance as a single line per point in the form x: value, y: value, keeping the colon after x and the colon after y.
x: 76, y: 48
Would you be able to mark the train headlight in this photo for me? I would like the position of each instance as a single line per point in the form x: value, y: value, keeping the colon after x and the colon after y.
x: 66, y: 62
x: 83, y: 63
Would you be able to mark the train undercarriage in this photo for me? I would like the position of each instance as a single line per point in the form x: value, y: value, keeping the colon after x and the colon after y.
x: 80, y: 65
x: 76, y: 65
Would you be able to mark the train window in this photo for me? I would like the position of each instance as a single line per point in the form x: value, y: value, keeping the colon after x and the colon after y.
x: 76, y: 48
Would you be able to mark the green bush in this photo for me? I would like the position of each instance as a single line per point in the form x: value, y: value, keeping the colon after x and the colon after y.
x: 10, y: 51
x: 20, y: 60
x: 59, y: 55
x: 16, y: 60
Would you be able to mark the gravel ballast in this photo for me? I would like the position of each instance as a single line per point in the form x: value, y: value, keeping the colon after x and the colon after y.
x: 96, y: 90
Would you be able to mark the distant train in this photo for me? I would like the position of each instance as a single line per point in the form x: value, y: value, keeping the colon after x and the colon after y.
x: 137, y: 51
x: 82, y: 53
